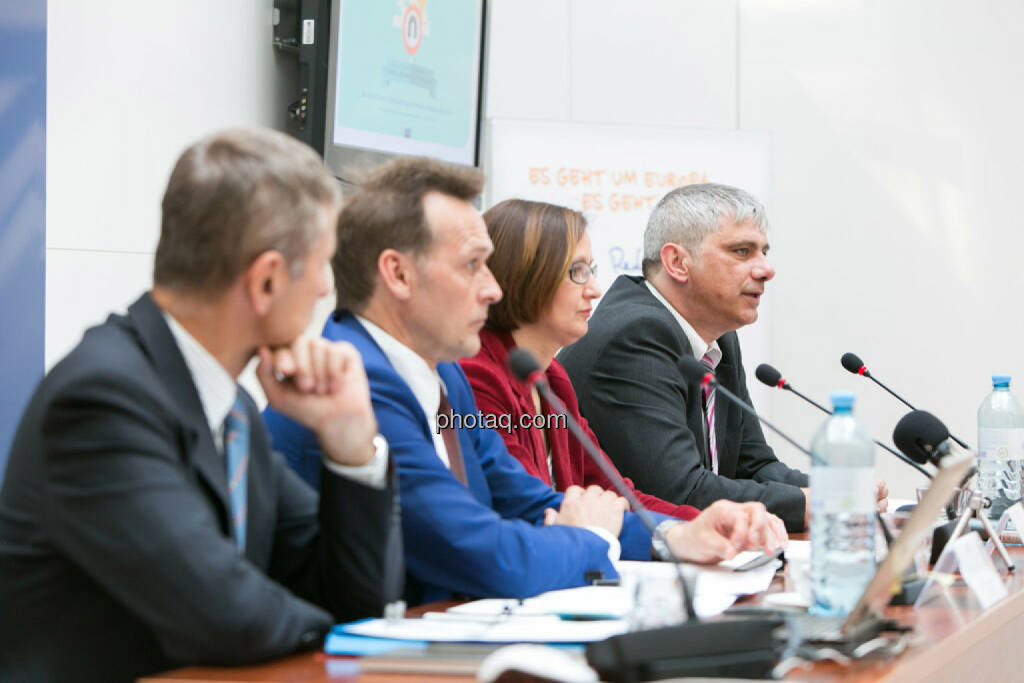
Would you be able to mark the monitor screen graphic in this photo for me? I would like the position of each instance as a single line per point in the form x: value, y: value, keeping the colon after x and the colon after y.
x: 405, y: 77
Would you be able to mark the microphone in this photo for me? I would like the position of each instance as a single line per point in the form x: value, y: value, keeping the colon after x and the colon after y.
x: 525, y: 367
x: 768, y: 375
x: 854, y: 364
x: 922, y: 436
x: 696, y: 371
x: 773, y: 378
x: 695, y: 648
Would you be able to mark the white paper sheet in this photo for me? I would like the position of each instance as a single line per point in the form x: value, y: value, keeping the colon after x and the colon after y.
x: 710, y: 581
x: 717, y: 588
x: 506, y: 629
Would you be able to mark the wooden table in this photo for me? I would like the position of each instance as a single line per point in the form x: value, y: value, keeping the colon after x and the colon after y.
x: 952, y: 643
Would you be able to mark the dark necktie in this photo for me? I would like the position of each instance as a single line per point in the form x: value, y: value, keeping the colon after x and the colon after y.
x: 451, y: 439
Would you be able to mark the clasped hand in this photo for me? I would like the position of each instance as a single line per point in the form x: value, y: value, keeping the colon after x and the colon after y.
x: 720, y: 532
x: 724, y: 529
x: 592, y: 506
x: 322, y: 385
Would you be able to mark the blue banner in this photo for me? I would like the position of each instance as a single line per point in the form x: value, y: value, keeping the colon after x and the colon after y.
x: 22, y: 208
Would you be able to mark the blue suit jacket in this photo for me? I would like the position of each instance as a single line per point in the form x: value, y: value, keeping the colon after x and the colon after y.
x: 486, y: 539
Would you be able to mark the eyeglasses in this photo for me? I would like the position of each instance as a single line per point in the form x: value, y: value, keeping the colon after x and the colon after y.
x: 580, y: 272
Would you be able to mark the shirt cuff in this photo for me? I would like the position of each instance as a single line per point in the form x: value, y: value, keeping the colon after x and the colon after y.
x: 614, y: 547
x: 373, y: 473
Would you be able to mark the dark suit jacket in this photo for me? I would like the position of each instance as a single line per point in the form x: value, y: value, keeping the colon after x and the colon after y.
x: 649, y: 419
x: 486, y: 539
x: 116, y: 549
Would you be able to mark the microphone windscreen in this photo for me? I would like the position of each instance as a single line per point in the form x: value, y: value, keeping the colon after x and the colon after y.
x: 851, y: 362
x: 692, y: 369
x: 522, y: 364
x: 768, y: 375
x: 918, y: 433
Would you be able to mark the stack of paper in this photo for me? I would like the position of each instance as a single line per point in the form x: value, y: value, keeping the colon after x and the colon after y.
x: 572, y: 615
x: 478, y: 629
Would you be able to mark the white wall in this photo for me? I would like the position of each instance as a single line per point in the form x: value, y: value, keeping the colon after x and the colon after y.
x: 129, y: 85
x: 896, y: 150
x: 657, y: 62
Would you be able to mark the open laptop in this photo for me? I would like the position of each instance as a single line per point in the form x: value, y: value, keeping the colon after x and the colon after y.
x: 865, y: 619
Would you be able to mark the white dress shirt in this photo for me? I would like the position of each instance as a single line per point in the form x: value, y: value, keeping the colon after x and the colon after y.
x: 424, y: 382
x: 426, y: 385
x: 217, y: 391
x: 698, y: 346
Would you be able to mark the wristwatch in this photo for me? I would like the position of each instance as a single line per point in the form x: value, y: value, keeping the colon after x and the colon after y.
x: 659, y: 548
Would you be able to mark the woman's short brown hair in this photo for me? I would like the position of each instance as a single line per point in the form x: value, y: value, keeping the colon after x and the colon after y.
x: 533, y: 247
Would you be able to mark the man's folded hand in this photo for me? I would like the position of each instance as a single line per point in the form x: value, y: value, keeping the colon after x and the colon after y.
x: 724, y: 529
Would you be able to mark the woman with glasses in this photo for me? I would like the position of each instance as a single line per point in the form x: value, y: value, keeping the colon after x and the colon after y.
x: 543, y: 262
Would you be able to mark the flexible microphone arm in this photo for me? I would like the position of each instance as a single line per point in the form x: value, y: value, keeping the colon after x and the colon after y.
x: 814, y: 403
x: 852, y: 363
x: 783, y: 384
x: 525, y: 367
x: 864, y: 371
x: 693, y: 369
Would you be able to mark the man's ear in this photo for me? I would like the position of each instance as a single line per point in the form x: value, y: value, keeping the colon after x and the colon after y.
x: 397, y: 272
x: 676, y: 260
x: 265, y: 279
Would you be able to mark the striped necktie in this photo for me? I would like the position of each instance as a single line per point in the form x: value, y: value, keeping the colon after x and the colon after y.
x: 709, y: 416
x: 236, y: 450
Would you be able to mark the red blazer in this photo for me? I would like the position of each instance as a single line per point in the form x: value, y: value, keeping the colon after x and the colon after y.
x: 499, y: 392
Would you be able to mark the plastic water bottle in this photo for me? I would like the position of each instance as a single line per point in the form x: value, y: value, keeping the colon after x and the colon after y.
x: 842, y: 510
x: 1000, y: 446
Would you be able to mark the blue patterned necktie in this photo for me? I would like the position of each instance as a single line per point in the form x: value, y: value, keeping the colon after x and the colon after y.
x: 236, y: 450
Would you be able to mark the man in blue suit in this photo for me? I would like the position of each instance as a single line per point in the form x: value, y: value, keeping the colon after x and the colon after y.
x: 413, y: 290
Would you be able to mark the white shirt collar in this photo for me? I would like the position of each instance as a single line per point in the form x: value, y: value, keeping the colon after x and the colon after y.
x: 216, y: 387
x: 697, y: 345
x: 423, y: 380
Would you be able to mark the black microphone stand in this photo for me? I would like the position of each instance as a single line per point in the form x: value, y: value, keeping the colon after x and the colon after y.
x: 783, y: 384
x: 921, y: 435
x: 852, y: 363
x: 724, y: 647
x: 911, y: 584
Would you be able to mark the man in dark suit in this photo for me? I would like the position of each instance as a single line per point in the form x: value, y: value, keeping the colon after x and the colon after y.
x: 144, y: 522
x: 705, y: 269
x: 413, y: 285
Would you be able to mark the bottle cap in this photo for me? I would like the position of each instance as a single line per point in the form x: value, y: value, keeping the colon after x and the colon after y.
x: 1000, y: 380
x: 842, y: 400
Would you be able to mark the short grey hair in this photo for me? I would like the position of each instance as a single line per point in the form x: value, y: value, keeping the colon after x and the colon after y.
x: 688, y: 214
x: 235, y: 195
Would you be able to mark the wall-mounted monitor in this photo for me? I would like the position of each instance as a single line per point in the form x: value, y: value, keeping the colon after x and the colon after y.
x: 404, y: 79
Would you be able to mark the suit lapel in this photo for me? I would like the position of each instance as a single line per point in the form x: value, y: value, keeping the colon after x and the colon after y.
x: 497, y: 346
x: 341, y: 322
x: 159, y: 345
x: 723, y: 413
x: 694, y: 406
x: 695, y: 397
